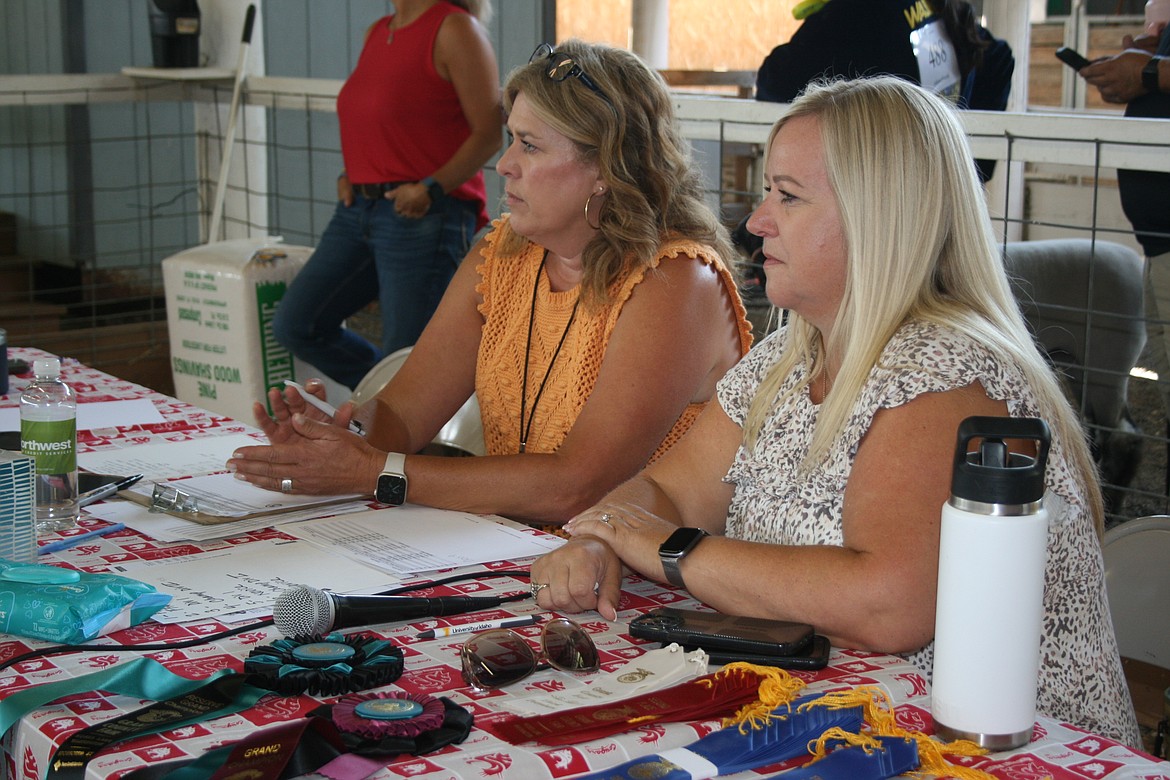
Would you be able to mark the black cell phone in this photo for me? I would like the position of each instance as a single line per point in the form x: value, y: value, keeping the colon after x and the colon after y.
x: 814, y: 656
x: 714, y: 631
x: 1071, y: 57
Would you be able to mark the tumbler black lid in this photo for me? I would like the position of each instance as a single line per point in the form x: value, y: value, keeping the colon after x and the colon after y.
x: 180, y: 7
x: 991, y: 474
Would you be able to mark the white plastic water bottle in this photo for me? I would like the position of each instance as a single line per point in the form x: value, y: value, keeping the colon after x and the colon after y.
x: 990, y: 606
x: 48, y: 434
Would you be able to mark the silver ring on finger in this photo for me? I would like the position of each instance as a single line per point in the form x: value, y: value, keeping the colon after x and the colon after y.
x: 286, y: 485
x: 536, y: 587
x: 605, y: 518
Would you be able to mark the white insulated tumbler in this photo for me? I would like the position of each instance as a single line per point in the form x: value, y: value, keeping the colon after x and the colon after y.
x: 990, y: 607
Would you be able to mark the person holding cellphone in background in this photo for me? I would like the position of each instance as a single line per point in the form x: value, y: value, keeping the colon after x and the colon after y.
x: 1139, y: 76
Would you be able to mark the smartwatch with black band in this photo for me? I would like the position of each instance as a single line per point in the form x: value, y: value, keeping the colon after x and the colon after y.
x: 675, y: 548
x: 1150, y: 75
x: 391, y: 487
x: 434, y: 189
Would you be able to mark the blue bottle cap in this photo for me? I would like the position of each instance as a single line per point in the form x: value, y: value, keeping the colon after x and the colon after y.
x: 41, y: 574
x: 323, y: 652
x: 388, y: 709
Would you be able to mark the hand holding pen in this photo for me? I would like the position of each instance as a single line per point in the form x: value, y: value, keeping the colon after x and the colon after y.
x: 323, y: 406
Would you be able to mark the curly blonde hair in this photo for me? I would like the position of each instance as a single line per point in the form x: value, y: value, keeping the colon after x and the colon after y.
x: 630, y: 132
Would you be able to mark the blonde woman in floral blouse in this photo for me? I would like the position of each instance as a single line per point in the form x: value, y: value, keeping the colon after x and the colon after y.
x: 821, y: 472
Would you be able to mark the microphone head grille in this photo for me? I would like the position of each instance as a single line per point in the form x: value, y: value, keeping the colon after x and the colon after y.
x: 303, y: 611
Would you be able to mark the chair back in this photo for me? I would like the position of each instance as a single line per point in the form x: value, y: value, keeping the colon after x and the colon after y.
x: 461, y: 435
x: 378, y: 376
x: 464, y: 431
x: 1137, y: 579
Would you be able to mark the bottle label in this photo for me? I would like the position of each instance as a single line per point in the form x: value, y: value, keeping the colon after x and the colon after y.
x: 52, y: 444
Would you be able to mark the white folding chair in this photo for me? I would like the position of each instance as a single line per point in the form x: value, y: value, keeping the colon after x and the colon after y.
x: 377, y: 377
x: 463, y: 433
x: 1137, y: 577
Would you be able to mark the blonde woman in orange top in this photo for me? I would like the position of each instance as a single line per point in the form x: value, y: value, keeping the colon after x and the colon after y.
x: 592, y: 322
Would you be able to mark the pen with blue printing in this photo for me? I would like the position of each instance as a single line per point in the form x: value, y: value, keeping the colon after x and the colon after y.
x: 73, y: 541
x: 105, y: 491
x: 324, y: 406
x: 483, y: 625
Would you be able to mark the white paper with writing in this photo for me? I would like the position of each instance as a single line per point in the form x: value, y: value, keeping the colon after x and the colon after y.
x: 410, y: 538
x: 248, y: 577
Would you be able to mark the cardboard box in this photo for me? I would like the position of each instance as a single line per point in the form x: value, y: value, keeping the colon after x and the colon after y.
x: 221, y: 299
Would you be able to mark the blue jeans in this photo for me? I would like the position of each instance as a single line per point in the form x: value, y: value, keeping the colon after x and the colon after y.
x: 368, y: 251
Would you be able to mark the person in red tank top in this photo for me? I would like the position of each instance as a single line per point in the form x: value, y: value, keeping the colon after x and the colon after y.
x: 419, y: 117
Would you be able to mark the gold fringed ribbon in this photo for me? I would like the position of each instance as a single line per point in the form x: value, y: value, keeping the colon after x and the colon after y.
x: 777, y: 687
x: 819, y: 747
x: 880, y: 721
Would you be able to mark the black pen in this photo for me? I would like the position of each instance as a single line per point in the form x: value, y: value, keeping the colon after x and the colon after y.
x: 97, y: 494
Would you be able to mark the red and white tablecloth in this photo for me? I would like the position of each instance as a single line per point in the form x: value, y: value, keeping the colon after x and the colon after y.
x: 431, y: 666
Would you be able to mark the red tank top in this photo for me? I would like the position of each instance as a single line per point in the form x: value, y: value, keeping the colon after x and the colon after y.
x: 400, y: 120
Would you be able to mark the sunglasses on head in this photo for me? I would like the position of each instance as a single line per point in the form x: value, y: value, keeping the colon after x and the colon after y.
x: 561, y: 66
x: 493, y: 659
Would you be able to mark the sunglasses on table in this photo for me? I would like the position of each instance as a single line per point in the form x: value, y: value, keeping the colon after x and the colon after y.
x: 561, y: 66
x: 493, y: 659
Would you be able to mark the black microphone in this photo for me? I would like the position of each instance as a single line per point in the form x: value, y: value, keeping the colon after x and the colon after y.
x: 306, y: 611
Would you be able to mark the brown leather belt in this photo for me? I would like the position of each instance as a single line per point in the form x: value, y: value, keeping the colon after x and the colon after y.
x: 376, y: 191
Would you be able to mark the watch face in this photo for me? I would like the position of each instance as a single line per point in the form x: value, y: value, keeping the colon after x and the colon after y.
x: 391, y: 489
x: 680, y: 541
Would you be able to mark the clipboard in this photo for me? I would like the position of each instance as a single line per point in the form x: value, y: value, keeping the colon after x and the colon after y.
x: 171, y: 497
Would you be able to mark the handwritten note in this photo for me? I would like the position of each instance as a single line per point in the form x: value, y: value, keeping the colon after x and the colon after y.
x: 247, y: 578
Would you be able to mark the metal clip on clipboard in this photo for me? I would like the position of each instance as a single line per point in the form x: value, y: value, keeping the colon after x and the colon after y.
x: 168, y: 498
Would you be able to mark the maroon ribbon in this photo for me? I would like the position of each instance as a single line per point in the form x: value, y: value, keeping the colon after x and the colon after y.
x: 711, y: 696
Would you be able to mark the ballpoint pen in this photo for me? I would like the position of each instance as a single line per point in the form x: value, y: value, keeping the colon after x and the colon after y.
x: 483, y: 625
x: 73, y: 541
x: 105, y: 491
x: 324, y: 406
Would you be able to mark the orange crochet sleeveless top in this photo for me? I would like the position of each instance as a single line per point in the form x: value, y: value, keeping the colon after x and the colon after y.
x: 506, y: 284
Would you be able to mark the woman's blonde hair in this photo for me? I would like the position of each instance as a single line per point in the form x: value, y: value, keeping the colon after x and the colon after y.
x: 630, y: 132
x: 920, y: 247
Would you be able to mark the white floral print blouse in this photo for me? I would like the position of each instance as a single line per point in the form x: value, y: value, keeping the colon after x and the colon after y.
x: 1081, y: 680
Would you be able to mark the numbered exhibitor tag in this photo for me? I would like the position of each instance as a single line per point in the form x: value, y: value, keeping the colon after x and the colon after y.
x: 938, y: 65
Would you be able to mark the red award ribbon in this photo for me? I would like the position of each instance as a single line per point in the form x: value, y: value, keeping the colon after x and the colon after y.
x: 710, y: 696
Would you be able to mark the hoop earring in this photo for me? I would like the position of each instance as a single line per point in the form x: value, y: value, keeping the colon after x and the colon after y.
x: 587, y: 202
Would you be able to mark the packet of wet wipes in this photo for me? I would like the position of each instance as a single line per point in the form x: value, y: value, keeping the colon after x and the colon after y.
x: 67, y: 606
